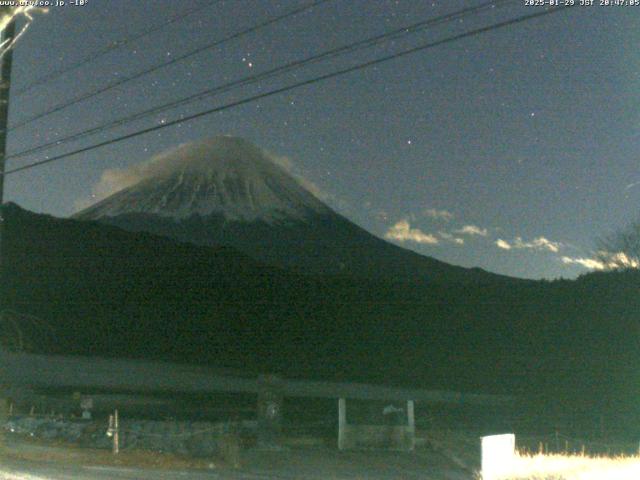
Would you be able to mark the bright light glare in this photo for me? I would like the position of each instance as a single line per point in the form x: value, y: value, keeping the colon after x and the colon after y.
x: 14, y: 475
x: 10, y: 14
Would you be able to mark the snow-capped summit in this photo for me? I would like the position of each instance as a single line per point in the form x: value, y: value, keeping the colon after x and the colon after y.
x: 228, y: 192
x: 225, y: 175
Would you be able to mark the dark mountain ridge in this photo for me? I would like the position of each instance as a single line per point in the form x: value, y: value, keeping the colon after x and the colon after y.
x: 106, y: 291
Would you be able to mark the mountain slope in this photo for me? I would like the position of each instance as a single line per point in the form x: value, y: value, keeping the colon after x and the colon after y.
x: 226, y: 191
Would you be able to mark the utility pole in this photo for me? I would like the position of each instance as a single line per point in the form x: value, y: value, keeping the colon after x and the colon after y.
x: 6, y: 38
x: 7, y: 35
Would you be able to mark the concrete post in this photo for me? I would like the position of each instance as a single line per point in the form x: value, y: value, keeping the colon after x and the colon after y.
x: 116, y: 433
x: 86, y: 405
x: 270, y: 402
x: 342, y: 422
x: 411, y: 421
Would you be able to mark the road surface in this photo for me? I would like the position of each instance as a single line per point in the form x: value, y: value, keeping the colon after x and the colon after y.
x: 307, y: 464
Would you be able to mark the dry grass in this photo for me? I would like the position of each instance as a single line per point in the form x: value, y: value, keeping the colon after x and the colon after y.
x: 572, y: 467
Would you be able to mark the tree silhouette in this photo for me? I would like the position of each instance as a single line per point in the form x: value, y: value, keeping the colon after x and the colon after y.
x: 621, y: 250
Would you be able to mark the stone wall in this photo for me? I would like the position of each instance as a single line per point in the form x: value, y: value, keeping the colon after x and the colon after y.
x: 198, y: 439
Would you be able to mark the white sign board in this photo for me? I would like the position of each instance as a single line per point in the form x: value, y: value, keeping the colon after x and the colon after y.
x: 498, y: 456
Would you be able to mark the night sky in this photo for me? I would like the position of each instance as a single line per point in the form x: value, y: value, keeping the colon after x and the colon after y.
x: 513, y: 150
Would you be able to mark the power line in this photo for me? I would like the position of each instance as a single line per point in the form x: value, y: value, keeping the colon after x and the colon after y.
x: 311, y: 81
x: 349, y: 48
x: 113, y: 46
x: 94, y: 93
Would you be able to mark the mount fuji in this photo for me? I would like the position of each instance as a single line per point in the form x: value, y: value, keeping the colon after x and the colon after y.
x: 225, y: 191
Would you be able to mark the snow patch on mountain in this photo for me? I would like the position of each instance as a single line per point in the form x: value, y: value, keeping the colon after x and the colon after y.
x: 224, y: 175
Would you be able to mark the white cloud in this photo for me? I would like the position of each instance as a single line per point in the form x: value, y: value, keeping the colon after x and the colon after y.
x: 451, y: 238
x: 403, y: 232
x: 540, y: 243
x: 503, y: 244
x: 317, y: 192
x: 438, y: 214
x: 111, y: 181
x: 115, y: 179
x: 472, y: 230
x: 287, y: 164
x: 590, y: 263
x: 284, y: 162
